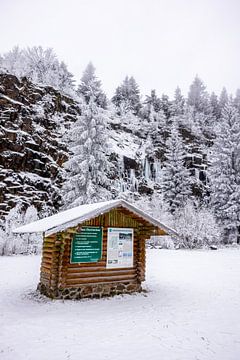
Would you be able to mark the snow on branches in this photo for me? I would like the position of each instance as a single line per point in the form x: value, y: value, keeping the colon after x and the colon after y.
x: 87, y: 164
x: 224, y: 174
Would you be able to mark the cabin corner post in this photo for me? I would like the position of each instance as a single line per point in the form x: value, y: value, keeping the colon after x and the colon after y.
x: 58, y: 250
x: 51, y: 267
x: 141, y: 264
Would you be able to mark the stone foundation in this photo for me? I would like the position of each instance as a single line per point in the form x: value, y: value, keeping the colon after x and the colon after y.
x: 90, y: 291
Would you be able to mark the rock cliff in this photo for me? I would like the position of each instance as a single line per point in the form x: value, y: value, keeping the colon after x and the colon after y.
x: 32, y: 119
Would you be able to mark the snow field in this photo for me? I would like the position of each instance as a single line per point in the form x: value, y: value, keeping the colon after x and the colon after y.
x: 191, y: 311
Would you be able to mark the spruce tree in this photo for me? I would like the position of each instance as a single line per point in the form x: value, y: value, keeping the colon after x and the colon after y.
x: 177, y: 106
x: 198, y: 97
x: 87, y: 165
x: 237, y: 101
x: 215, y: 107
x: 90, y: 87
x: 223, y: 99
x: 224, y: 174
x: 166, y: 105
x: 176, y: 185
x: 153, y: 101
x: 127, y: 96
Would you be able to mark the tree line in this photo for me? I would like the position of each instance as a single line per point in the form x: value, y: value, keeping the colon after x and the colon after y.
x: 204, y: 209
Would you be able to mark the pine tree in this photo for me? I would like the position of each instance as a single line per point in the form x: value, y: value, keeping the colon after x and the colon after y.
x: 87, y: 166
x: 214, y: 104
x: 153, y: 101
x: 90, y: 87
x: 64, y: 79
x: 198, y: 97
x: 175, y: 176
x: 127, y: 96
x: 237, y: 101
x: 177, y: 106
x: 224, y: 174
x: 166, y: 105
x: 223, y: 99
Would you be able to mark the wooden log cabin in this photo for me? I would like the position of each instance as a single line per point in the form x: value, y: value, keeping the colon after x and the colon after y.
x: 94, y: 250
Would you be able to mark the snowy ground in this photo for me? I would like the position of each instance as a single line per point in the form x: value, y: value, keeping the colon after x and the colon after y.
x: 192, y: 311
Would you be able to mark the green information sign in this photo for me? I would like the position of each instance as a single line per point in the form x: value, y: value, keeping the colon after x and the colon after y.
x: 87, y: 245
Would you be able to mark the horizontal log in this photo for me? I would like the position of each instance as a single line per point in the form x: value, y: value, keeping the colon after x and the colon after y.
x: 47, y: 246
x: 103, y: 280
x: 99, y: 263
x: 48, y: 261
x: 105, y: 273
x: 45, y: 273
x: 52, y: 252
x: 47, y: 256
x: 94, y: 268
x: 44, y: 276
x: 46, y: 265
x: 49, y: 240
x: 45, y: 270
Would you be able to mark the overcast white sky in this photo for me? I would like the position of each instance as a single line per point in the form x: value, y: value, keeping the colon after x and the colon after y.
x: 162, y: 43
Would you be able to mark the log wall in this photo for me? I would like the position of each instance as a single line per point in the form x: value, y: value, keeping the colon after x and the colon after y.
x: 60, y: 279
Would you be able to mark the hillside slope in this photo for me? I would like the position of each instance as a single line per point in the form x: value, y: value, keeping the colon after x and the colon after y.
x: 32, y: 121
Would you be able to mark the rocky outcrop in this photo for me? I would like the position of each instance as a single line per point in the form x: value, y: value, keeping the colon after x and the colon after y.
x: 32, y: 119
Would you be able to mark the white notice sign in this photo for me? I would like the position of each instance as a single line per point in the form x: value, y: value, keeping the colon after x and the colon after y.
x: 119, y: 248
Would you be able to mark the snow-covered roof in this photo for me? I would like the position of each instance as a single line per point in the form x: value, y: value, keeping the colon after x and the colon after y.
x: 79, y: 214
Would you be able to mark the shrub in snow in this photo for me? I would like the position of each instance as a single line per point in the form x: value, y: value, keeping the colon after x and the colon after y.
x: 3, y: 240
x: 161, y: 242
x: 196, y: 226
x: 11, y: 243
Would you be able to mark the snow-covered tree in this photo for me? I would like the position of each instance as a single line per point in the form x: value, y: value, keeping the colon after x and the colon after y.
x: 90, y: 87
x: 177, y: 106
x: 166, y: 105
x: 224, y: 174
x: 214, y: 105
x: 237, y: 101
x: 223, y: 98
x: 176, y: 185
x: 196, y: 226
x: 152, y: 101
x: 11, y: 243
x: 87, y: 165
x: 127, y: 96
x: 33, y: 242
x: 41, y: 65
x: 38, y: 65
x: 13, y: 62
x: 198, y: 97
x: 65, y: 80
